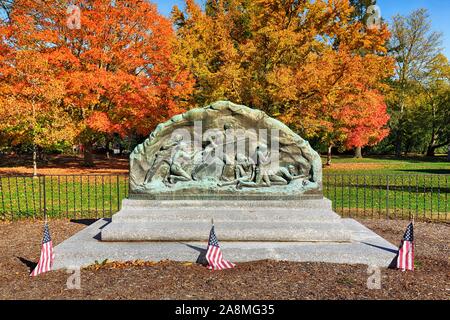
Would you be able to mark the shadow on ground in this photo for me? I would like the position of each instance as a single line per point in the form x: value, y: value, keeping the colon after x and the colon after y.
x: 86, y: 222
x: 201, y: 259
x: 429, y: 171
x: 30, y: 264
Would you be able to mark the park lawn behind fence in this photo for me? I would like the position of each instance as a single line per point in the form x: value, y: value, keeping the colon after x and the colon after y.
x: 96, y: 196
x: 388, y: 165
x: 392, y: 196
x: 70, y: 196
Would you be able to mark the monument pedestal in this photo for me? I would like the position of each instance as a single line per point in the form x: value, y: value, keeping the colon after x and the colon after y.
x: 85, y: 248
x: 304, y: 220
x: 264, y: 194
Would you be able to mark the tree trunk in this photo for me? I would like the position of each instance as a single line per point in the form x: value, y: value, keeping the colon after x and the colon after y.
x: 432, y: 146
x: 34, y: 161
x: 407, y: 148
x: 358, y: 152
x: 108, y: 142
x: 431, y: 151
x: 88, y: 157
x: 330, y: 147
x: 34, y: 140
x: 448, y: 153
x: 398, y: 144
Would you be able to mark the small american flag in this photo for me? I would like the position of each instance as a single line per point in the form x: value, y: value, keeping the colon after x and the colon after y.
x: 405, y: 258
x: 214, y: 254
x: 47, y: 256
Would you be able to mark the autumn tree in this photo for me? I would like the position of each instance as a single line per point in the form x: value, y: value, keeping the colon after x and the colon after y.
x: 365, y: 12
x: 117, y: 69
x: 415, y: 47
x: 30, y: 99
x: 208, y: 46
x: 30, y: 96
x: 437, y: 89
x: 310, y: 63
x: 427, y: 117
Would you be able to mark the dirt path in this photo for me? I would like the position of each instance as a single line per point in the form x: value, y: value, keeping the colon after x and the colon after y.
x: 61, y: 165
x: 255, y: 280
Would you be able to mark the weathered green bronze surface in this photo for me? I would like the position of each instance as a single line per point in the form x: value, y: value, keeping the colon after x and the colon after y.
x: 224, y: 151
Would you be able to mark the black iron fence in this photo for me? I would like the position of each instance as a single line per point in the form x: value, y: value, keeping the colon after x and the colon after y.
x: 424, y: 197
x: 58, y: 196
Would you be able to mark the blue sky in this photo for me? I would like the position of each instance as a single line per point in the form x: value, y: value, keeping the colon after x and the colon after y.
x: 439, y: 11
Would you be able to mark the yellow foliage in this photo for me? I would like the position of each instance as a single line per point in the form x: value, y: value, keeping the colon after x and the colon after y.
x: 304, y: 61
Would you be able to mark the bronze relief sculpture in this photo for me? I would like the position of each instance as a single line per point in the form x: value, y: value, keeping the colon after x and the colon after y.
x: 223, y: 150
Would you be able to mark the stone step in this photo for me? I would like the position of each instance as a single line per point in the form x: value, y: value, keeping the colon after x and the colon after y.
x: 84, y: 249
x: 222, y: 215
x: 310, y: 204
x: 227, y: 231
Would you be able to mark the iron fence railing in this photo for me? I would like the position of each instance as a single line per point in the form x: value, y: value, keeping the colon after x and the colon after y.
x: 424, y: 197
x: 57, y: 196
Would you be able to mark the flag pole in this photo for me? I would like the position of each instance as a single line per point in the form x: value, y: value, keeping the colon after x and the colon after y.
x: 212, y: 221
x: 45, y: 202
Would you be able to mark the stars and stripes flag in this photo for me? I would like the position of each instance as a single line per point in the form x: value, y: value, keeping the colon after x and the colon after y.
x: 214, y: 254
x: 47, y: 256
x: 405, y: 258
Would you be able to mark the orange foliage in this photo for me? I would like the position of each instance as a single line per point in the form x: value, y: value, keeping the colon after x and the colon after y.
x: 124, y: 71
x: 307, y: 62
x: 30, y: 93
x: 117, y: 71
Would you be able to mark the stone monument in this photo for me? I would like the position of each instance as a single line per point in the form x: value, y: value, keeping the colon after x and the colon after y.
x: 253, y: 175
x: 259, y: 181
x: 224, y: 151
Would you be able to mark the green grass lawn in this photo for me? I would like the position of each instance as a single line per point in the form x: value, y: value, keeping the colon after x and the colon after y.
x: 388, y: 186
x: 388, y: 165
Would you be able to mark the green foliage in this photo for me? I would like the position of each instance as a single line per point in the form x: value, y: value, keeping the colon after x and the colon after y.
x: 419, y: 101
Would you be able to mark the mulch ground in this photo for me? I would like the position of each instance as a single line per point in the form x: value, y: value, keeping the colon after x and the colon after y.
x: 20, y: 247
